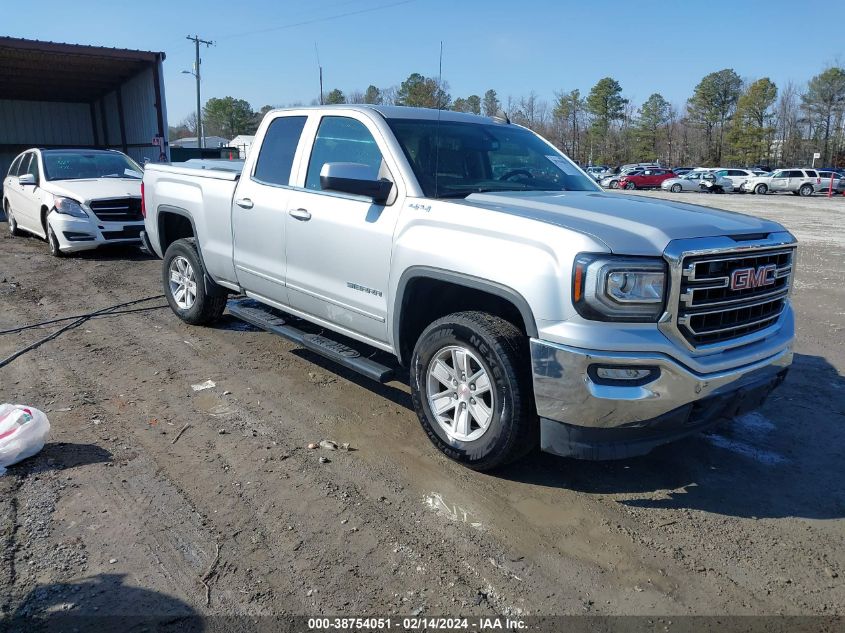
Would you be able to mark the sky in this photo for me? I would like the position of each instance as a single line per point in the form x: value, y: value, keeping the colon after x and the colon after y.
x: 265, y: 51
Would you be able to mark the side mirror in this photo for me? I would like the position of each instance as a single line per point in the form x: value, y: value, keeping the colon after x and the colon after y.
x: 356, y: 179
x: 27, y: 179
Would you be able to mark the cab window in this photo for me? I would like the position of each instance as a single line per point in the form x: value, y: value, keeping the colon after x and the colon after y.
x: 342, y: 140
x: 275, y: 160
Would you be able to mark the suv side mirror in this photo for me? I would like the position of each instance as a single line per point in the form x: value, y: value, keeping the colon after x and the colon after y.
x: 27, y: 179
x: 356, y: 179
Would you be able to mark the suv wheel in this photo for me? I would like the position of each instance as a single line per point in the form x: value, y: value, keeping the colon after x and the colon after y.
x: 183, y: 278
x: 14, y: 231
x: 805, y: 190
x: 761, y: 189
x: 53, y: 242
x: 470, y: 389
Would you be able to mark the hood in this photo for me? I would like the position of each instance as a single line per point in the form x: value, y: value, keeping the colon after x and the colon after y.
x: 94, y: 189
x: 629, y: 225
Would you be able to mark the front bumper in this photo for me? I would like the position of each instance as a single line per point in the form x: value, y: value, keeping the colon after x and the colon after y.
x: 583, y: 416
x: 84, y: 234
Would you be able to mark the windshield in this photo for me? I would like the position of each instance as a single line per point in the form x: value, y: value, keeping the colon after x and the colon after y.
x: 454, y: 159
x: 82, y: 165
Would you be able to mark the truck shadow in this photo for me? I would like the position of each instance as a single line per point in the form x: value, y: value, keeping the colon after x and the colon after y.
x: 101, y: 603
x: 785, y: 460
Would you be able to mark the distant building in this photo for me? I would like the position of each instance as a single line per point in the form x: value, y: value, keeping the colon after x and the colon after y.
x: 242, y: 142
x: 191, y: 141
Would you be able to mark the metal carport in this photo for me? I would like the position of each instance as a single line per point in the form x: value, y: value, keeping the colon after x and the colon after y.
x: 71, y: 95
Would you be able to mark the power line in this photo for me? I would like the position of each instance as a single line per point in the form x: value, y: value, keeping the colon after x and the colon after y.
x: 316, y: 20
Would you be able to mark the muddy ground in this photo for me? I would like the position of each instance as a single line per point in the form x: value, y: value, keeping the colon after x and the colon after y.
x: 120, y: 513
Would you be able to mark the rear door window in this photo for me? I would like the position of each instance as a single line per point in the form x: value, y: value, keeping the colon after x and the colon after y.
x: 811, y: 173
x: 275, y: 160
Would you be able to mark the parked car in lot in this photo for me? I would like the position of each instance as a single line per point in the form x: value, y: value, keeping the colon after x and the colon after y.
x: 734, y: 175
x: 697, y: 180
x: 824, y: 182
x: 801, y: 182
x: 612, y: 181
x: 598, y: 171
x: 680, y: 171
x: 530, y: 308
x: 649, y: 178
x: 76, y: 199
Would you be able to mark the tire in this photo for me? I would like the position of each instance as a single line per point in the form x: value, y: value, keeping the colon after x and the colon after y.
x: 614, y: 184
x: 186, y: 292
x: 805, y: 190
x: 486, y: 344
x: 14, y: 231
x: 761, y: 189
x: 630, y: 186
x: 676, y: 188
x: 53, y: 242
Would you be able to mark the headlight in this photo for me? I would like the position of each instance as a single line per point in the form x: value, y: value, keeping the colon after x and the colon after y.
x: 69, y: 206
x: 611, y: 288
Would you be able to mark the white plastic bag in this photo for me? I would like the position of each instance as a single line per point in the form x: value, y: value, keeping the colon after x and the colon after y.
x: 23, y: 431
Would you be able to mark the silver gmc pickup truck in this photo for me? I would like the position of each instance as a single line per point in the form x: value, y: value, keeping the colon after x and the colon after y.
x: 529, y: 308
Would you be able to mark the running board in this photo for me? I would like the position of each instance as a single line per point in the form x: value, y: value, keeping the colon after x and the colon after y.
x: 265, y: 318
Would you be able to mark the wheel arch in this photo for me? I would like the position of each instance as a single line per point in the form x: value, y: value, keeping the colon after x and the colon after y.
x: 172, y: 224
x: 457, y: 292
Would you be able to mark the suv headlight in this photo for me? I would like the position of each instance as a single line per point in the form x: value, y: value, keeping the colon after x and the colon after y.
x: 612, y: 288
x: 69, y: 206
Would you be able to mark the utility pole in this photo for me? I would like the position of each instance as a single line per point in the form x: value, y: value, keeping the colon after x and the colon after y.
x: 197, y: 41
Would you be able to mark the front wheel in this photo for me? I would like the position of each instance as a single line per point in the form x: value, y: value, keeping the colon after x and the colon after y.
x: 805, y: 190
x: 53, y: 242
x: 470, y: 389
x: 761, y: 189
x: 183, y: 277
x: 630, y: 186
x: 614, y: 184
x: 14, y: 231
x: 675, y: 188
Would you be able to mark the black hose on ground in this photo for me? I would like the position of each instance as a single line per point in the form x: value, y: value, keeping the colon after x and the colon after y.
x: 79, y: 320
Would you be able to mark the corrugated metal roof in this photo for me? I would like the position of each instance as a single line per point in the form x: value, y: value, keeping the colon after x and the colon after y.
x: 52, y: 71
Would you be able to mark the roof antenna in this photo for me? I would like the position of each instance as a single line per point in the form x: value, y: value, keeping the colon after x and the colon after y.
x: 320, y: 67
x: 438, y: 92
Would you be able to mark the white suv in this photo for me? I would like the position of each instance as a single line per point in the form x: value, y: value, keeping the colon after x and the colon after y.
x: 76, y: 199
x: 736, y: 176
x: 801, y: 182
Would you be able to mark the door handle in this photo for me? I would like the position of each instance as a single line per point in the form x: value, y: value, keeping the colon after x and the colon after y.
x: 303, y: 215
x: 244, y: 203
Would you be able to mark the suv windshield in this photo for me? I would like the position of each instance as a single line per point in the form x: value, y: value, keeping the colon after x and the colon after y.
x: 60, y: 165
x: 452, y: 159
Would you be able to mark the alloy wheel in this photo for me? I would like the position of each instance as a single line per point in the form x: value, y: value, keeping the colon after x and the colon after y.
x: 460, y: 393
x: 183, y: 283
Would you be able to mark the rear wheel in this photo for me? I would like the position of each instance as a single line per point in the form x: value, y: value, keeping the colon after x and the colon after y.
x: 183, y: 277
x: 630, y: 186
x: 761, y: 189
x: 470, y: 389
x: 675, y: 188
x: 805, y: 190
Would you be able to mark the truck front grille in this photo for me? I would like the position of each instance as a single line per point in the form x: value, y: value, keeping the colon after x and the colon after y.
x: 711, y: 311
x: 118, y: 210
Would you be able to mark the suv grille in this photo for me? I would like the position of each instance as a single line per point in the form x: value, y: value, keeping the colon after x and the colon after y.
x: 118, y: 210
x: 709, y: 311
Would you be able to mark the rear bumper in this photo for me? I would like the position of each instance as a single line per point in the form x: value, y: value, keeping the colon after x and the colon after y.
x: 585, y: 417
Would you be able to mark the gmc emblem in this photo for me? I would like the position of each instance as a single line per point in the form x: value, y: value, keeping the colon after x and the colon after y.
x: 749, y: 278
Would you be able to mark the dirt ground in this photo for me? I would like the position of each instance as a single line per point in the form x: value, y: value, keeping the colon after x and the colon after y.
x: 120, y: 513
